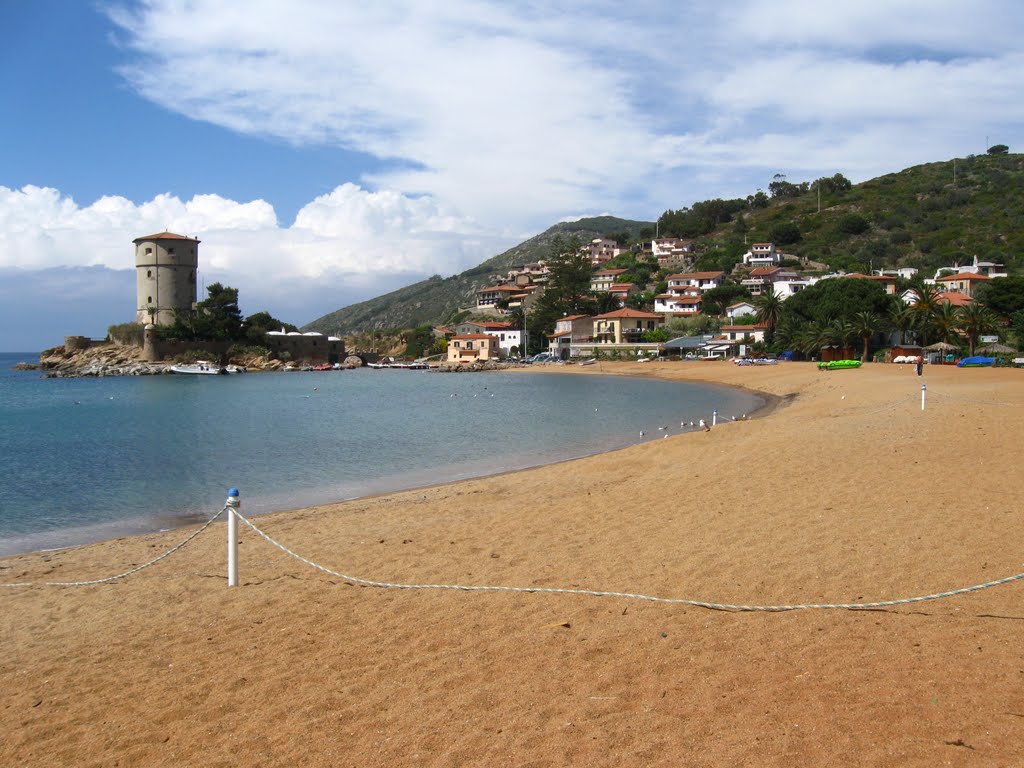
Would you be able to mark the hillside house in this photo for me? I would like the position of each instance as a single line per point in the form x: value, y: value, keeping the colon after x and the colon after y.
x: 602, y: 250
x: 962, y: 282
x: 703, y: 281
x: 603, y: 279
x: 740, y: 309
x: 570, y: 332
x: 624, y: 326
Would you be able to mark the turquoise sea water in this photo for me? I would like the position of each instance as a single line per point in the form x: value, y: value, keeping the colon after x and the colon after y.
x: 92, y: 458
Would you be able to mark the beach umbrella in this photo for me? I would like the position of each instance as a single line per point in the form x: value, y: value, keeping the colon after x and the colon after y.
x: 941, y: 346
x: 995, y: 349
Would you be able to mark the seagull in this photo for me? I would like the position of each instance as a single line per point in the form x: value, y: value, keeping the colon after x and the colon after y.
x: 704, y: 426
x: 665, y: 437
x: 662, y: 429
x: 641, y: 433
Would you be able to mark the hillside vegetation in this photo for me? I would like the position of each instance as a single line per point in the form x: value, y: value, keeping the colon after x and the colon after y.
x: 927, y: 216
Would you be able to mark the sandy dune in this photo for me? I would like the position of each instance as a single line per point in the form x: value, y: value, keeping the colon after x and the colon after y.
x: 845, y: 492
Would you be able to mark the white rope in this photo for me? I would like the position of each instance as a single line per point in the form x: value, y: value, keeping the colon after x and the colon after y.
x: 136, y: 569
x: 631, y: 595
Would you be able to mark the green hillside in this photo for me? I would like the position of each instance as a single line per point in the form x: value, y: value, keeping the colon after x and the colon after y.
x: 926, y: 217
x: 438, y: 299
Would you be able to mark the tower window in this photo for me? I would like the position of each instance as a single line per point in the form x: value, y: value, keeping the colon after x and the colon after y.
x: 170, y: 250
x: 149, y: 250
x: 149, y: 273
x: 149, y: 299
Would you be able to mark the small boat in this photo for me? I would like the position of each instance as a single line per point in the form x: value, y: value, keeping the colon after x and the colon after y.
x: 588, y: 361
x: 233, y: 369
x: 977, y: 361
x: 838, y: 365
x: 199, y: 367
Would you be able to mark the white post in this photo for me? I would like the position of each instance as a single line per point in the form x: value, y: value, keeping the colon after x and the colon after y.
x: 714, y: 418
x: 233, y: 505
x: 924, y: 388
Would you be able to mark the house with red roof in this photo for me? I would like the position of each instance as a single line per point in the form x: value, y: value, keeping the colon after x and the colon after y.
x: 470, y: 348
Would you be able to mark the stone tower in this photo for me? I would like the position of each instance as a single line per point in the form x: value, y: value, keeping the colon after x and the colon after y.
x: 165, y: 276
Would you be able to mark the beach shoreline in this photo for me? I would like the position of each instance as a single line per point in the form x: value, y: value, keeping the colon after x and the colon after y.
x: 849, y: 493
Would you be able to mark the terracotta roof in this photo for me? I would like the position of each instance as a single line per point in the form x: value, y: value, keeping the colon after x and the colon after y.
x: 954, y: 298
x: 680, y: 299
x: 696, y: 275
x: 572, y: 317
x: 500, y: 288
x: 627, y: 312
x: 620, y: 286
x: 492, y: 326
x: 559, y: 335
x: 164, y: 236
x: 963, y: 276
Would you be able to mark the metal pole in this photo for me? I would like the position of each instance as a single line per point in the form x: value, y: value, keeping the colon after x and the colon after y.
x: 924, y: 388
x: 233, y: 505
x: 714, y: 418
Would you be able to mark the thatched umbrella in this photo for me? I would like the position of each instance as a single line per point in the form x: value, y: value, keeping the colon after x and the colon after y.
x: 941, y: 346
x: 995, y: 349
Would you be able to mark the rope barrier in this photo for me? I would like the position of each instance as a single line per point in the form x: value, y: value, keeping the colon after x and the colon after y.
x: 630, y: 595
x: 970, y: 400
x: 136, y: 569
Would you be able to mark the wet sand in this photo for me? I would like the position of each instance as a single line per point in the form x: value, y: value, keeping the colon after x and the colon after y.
x: 846, y: 492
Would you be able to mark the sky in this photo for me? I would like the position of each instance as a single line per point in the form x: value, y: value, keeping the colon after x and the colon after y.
x: 326, y: 152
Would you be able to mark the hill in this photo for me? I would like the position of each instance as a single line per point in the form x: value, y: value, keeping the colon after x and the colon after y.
x: 927, y: 216
x: 438, y: 299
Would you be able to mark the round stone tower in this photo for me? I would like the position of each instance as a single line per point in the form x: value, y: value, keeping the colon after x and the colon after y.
x: 165, y: 276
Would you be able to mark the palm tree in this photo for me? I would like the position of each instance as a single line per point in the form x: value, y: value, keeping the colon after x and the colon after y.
x: 812, y: 338
x: 842, y: 333
x: 903, y: 319
x: 975, y: 320
x: 946, y: 323
x: 769, y: 310
x: 865, y: 323
x: 926, y: 307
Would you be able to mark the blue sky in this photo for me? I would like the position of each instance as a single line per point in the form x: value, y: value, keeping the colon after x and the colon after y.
x: 328, y: 152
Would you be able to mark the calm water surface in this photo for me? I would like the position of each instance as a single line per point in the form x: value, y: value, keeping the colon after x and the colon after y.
x: 88, y: 459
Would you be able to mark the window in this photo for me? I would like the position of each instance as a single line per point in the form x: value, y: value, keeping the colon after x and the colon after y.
x: 149, y: 273
x: 170, y: 251
x: 149, y: 250
x: 149, y: 299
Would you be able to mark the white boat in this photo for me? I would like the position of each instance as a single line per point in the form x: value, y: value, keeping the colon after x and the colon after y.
x: 200, y: 367
x: 234, y: 369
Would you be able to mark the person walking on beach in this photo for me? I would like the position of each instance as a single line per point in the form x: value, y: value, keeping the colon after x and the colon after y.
x: 920, y: 365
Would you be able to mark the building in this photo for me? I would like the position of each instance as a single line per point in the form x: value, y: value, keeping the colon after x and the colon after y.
x: 604, y: 279
x: 962, y: 282
x: 602, y: 250
x: 704, y: 281
x: 471, y: 348
x: 165, y: 277
x: 509, y: 339
x: 570, y: 332
x: 624, y: 326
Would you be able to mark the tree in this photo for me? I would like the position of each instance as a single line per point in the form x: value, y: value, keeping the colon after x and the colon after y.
x: 975, y: 320
x: 566, y: 291
x: 837, y: 297
x: 257, y: 325
x: 998, y: 149
x: 866, y: 324
x: 715, y: 300
x: 902, y: 318
x: 769, y: 311
x: 1004, y: 295
x: 784, y: 233
x: 925, y: 309
x: 946, y: 323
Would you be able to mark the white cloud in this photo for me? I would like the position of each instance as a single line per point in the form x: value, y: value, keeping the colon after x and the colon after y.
x: 522, y: 112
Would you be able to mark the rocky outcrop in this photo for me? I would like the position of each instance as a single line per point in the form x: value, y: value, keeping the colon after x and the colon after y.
x: 113, y: 359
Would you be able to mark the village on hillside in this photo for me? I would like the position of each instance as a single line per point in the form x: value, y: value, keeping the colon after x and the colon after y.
x: 760, y: 283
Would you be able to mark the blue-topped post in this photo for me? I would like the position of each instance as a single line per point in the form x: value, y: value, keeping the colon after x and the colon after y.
x: 233, y: 505
x: 924, y: 389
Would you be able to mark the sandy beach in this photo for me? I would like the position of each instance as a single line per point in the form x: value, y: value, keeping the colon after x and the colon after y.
x: 845, y: 491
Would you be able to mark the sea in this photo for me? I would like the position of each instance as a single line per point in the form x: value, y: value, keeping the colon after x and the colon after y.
x: 88, y: 459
